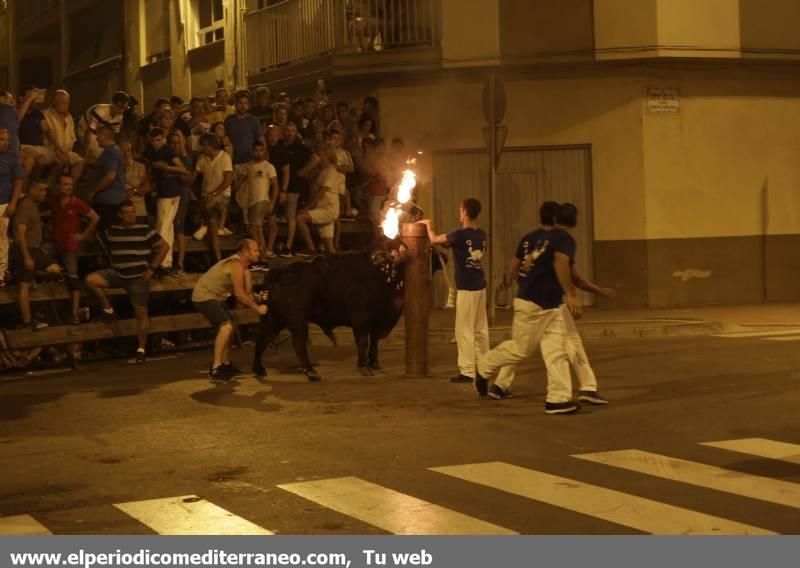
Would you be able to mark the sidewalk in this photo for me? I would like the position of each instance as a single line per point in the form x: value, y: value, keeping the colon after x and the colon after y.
x: 630, y: 323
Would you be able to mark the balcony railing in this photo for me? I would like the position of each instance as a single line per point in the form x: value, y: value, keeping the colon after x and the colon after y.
x: 296, y: 30
x: 32, y: 9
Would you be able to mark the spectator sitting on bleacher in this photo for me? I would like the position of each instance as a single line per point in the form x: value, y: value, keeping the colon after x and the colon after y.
x: 60, y: 138
x: 259, y: 180
x: 178, y: 145
x: 32, y: 253
x: 109, y: 190
x: 166, y: 169
x: 324, y: 207
x: 31, y: 133
x: 10, y: 191
x: 101, y: 115
x: 136, y: 252
x: 301, y: 162
x: 261, y: 108
x: 217, y: 170
x: 137, y: 183
x: 228, y: 277
x: 67, y: 210
x: 9, y: 120
x: 344, y: 162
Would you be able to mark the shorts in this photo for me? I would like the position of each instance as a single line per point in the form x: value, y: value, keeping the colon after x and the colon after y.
x: 183, y: 208
x: 324, y: 220
x: 256, y: 213
x: 138, y: 288
x: 212, y: 212
x: 215, y: 312
x: 42, y: 259
x: 48, y: 154
x: 69, y: 259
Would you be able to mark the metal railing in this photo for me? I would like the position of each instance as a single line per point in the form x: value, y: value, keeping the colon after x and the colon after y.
x: 296, y: 30
x: 32, y: 9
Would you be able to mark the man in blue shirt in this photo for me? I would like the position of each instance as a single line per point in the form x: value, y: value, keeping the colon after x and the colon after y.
x: 243, y: 130
x: 11, y: 175
x: 109, y: 191
x: 545, y: 278
x: 469, y: 246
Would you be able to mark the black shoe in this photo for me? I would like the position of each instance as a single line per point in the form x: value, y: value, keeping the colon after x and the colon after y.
x: 107, y: 317
x: 230, y: 370
x: 462, y: 379
x: 498, y: 394
x: 219, y: 375
x: 140, y: 358
x: 161, y: 273
x: 285, y: 253
x: 592, y: 397
x: 561, y: 407
x: 481, y: 385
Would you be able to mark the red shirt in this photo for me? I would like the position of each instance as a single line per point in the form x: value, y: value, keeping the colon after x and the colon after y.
x: 67, y: 221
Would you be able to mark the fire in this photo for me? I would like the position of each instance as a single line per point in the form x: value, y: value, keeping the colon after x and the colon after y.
x: 407, y: 184
x: 391, y: 223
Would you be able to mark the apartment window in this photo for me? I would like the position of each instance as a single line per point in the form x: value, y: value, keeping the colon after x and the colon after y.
x: 210, y: 21
x: 156, y: 38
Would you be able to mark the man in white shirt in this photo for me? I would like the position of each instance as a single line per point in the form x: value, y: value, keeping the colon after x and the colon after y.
x: 217, y: 170
x: 110, y: 115
x: 324, y: 208
x: 59, y: 133
x: 259, y: 180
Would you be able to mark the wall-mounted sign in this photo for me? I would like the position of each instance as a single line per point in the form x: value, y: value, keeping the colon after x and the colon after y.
x: 663, y: 100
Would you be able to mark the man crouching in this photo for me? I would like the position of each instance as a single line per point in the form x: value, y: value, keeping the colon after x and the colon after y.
x: 230, y: 276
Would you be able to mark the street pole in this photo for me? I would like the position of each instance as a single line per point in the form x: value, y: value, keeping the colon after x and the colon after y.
x: 492, y: 191
x: 417, y: 284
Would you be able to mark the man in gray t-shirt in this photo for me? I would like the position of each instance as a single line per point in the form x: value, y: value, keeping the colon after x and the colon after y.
x: 31, y: 254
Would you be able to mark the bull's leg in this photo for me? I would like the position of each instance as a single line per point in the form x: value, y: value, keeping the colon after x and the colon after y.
x: 362, y: 344
x: 300, y: 341
x: 373, y: 351
x: 269, y: 329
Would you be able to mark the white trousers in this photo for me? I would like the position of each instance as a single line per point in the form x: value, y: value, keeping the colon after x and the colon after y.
x: 472, y: 329
x: 532, y: 327
x: 575, y: 352
x: 4, y: 223
x: 167, y: 209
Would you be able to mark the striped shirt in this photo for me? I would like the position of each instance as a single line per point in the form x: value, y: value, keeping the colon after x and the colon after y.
x: 131, y: 248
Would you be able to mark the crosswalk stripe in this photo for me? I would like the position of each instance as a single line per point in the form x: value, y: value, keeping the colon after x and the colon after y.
x: 390, y: 510
x: 188, y: 515
x: 747, y: 334
x: 702, y: 475
x: 761, y: 447
x: 790, y: 338
x: 614, y: 506
x: 21, y: 525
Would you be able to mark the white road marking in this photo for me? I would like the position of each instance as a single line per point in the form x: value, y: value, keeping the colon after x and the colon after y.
x: 390, y: 510
x: 614, y: 506
x: 701, y: 475
x: 762, y: 448
x: 188, y: 515
x: 789, y: 338
x: 748, y: 334
x: 22, y: 525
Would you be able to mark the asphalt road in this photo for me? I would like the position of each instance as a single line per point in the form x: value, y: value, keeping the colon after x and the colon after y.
x: 354, y: 455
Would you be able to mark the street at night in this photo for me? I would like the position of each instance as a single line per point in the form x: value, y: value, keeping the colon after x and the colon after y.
x: 386, y: 454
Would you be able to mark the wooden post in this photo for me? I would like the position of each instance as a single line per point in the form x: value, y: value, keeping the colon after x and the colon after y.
x: 417, y: 290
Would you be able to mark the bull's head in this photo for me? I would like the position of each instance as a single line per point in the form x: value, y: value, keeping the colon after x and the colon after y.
x: 389, y: 256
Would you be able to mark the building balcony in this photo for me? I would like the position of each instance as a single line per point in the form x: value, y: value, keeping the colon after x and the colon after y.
x: 339, y: 37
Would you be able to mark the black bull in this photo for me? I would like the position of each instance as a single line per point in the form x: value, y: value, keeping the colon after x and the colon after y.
x: 361, y: 290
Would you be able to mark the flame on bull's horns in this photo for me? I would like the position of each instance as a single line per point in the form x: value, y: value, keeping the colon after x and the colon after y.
x: 407, y: 184
x: 391, y: 223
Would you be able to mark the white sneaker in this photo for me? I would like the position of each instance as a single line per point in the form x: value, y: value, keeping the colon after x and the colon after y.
x: 224, y: 232
x: 200, y: 233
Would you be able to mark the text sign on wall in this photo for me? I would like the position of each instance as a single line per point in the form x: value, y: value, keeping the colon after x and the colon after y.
x: 663, y: 100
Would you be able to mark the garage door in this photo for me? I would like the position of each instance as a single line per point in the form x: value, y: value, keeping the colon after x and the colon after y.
x: 526, y: 178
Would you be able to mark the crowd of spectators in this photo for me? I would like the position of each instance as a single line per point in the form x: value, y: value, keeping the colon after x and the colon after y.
x: 138, y: 185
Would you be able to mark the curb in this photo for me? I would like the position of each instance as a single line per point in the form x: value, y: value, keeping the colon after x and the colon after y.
x: 591, y: 330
